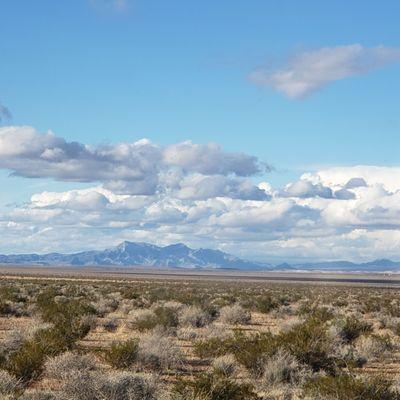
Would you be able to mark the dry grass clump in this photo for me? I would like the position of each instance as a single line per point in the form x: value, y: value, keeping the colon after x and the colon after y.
x: 283, y: 368
x: 37, y: 394
x: 234, y: 315
x: 226, y: 365
x: 9, y: 385
x: 67, y: 364
x: 187, y: 333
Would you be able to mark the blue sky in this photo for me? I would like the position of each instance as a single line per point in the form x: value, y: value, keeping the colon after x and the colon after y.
x: 101, y: 72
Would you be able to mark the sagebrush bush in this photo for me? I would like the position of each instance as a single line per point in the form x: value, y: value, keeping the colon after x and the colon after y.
x: 158, y: 352
x: 114, y: 386
x: 373, y: 347
x: 62, y: 366
x: 122, y: 354
x: 193, y: 316
x: 235, y: 314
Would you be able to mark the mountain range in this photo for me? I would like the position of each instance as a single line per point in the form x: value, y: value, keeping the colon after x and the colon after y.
x: 179, y: 255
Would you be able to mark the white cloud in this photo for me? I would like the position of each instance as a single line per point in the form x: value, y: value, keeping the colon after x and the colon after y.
x: 197, y: 194
x: 310, y: 71
x: 140, y: 167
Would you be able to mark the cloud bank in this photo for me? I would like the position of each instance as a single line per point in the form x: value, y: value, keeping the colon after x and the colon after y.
x: 312, y: 70
x: 197, y: 194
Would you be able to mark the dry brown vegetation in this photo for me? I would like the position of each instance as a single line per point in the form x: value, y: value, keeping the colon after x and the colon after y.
x: 197, y: 340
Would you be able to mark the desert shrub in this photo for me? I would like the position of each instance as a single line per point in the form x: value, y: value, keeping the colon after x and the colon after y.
x: 310, y: 344
x: 158, y: 352
x: 214, y: 386
x: 373, y: 347
x: 225, y: 365
x: 69, y: 363
x: 322, y: 314
x: 235, y: 314
x: 193, y: 316
x: 123, y: 354
x: 27, y: 363
x: 61, y: 311
x: 351, y: 328
x: 64, y: 314
x: 213, y: 347
x: 166, y: 316
x: 9, y: 385
x: 346, y: 387
x: 266, y: 303
x: 250, y: 351
x: 142, y: 320
x: 115, y: 386
x: 283, y: 368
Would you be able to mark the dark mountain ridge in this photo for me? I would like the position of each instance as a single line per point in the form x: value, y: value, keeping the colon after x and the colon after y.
x: 129, y: 254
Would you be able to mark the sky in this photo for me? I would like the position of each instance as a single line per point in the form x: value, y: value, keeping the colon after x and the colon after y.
x: 269, y: 129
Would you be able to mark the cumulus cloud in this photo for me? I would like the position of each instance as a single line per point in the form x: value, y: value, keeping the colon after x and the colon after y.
x: 310, y: 71
x: 134, y: 168
x: 304, y: 188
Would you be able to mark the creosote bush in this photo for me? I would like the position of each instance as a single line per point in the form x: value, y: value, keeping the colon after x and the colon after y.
x: 352, y: 328
x: 123, y: 354
x: 214, y: 386
x: 346, y: 387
